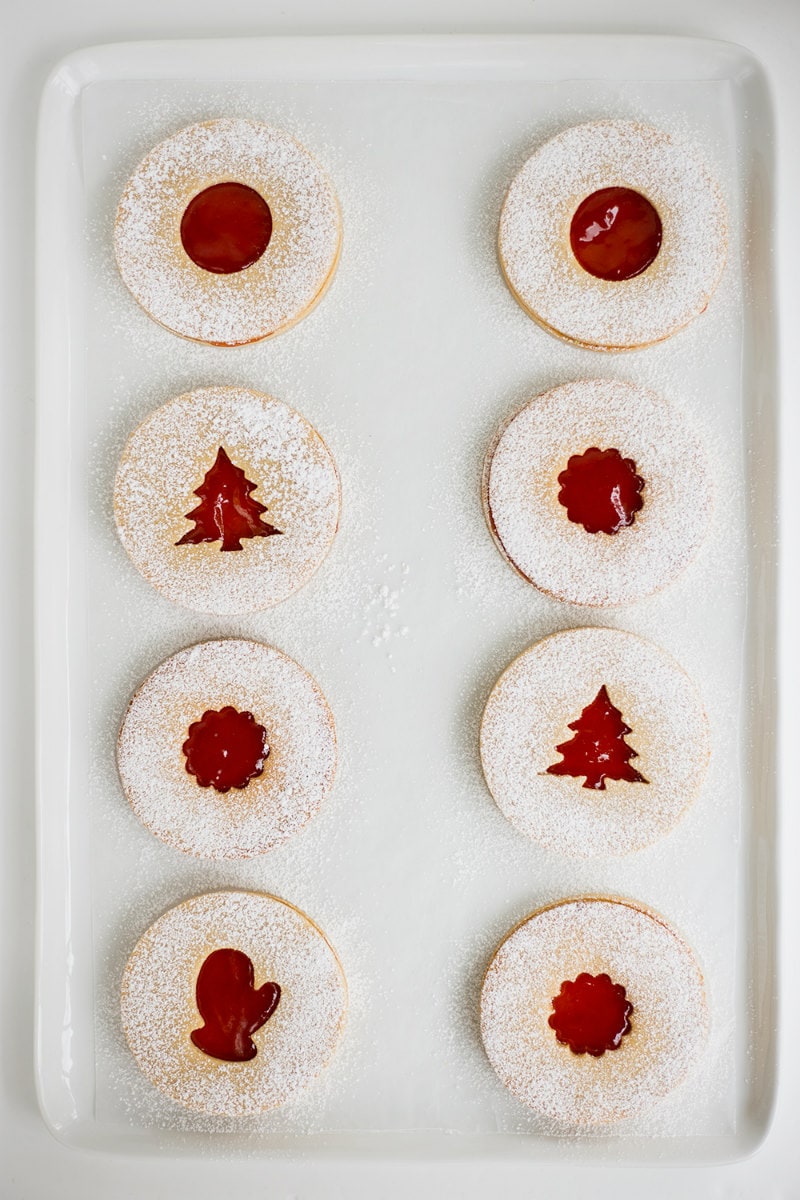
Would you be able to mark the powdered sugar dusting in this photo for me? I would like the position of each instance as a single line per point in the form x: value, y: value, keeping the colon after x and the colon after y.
x: 298, y: 772
x: 411, y: 805
x: 166, y: 459
x: 159, y: 1009
x: 527, y: 716
x: 269, y: 295
x: 534, y: 234
x: 638, y: 950
x: 531, y: 526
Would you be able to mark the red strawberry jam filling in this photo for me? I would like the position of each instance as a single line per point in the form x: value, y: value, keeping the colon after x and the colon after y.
x: 591, y: 1015
x: 615, y: 233
x: 601, y: 490
x: 598, y: 750
x: 226, y: 228
x: 225, y: 749
x: 227, y: 511
x: 231, y: 1007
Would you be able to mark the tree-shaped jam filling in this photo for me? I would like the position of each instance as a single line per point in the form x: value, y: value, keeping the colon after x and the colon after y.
x: 226, y: 749
x: 231, y: 1007
x: 226, y: 228
x: 598, y: 750
x: 601, y: 490
x: 615, y: 233
x: 227, y: 512
x: 591, y: 1015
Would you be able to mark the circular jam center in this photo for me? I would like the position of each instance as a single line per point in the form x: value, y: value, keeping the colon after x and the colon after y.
x: 601, y: 490
x: 615, y: 233
x: 225, y: 749
x: 226, y: 228
x: 231, y: 1007
x: 591, y: 1015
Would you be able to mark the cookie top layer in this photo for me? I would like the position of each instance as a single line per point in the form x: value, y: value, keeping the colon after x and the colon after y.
x: 160, y: 1011
x: 523, y: 498
x: 297, y: 769
x: 288, y: 472
x: 655, y: 720
x: 269, y: 295
x: 544, y: 273
x: 638, y: 951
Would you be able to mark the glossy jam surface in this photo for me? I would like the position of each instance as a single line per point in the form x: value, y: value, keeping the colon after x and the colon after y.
x: 225, y: 749
x: 598, y: 750
x: 226, y: 228
x: 231, y: 1007
x: 601, y: 490
x: 615, y: 233
x: 227, y: 512
x: 591, y: 1015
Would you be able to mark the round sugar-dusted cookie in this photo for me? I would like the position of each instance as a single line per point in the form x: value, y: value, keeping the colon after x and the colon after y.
x: 597, y: 492
x: 613, y: 235
x: 592, y: 1010
x: 594, y: 742
x: 228, y: 232
x: 233, y: 1002
x: 227, y: 749
x: 226, y: 500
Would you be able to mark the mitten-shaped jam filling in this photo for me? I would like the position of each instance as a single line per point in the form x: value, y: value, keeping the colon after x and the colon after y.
x: 227, y: 511
x: 598, y: 750
x: 591, y: 1015
x: 231, y: 1007
x: 225, y: 749
x: 601, y: 490
x: 226, y: 228
x: 615, y: 233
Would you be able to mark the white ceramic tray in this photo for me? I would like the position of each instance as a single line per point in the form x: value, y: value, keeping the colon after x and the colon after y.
x: 406, y: 368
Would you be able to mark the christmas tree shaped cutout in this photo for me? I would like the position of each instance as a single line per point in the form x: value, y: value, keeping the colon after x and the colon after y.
x: 227, y: 511
x: 598, y: 750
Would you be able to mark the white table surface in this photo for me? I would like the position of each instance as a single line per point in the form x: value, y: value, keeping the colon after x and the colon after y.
x: 36, y: 33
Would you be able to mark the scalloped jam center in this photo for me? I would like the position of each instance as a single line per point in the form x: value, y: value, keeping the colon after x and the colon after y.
x: 226, y: 749
x: 601, y: 490
x: 226, y: 228
x: 598, y: 750
x: 591, y: 1014
x: 231, y: 1007
x: 615, y: 233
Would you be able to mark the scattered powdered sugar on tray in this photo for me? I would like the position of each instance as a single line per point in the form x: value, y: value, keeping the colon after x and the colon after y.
x: 638, y: 951
x: 297, y: 774
x: 383, y: 607
x: 159, y: 1010
x: 272, y: 293
x: 534, y: 234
